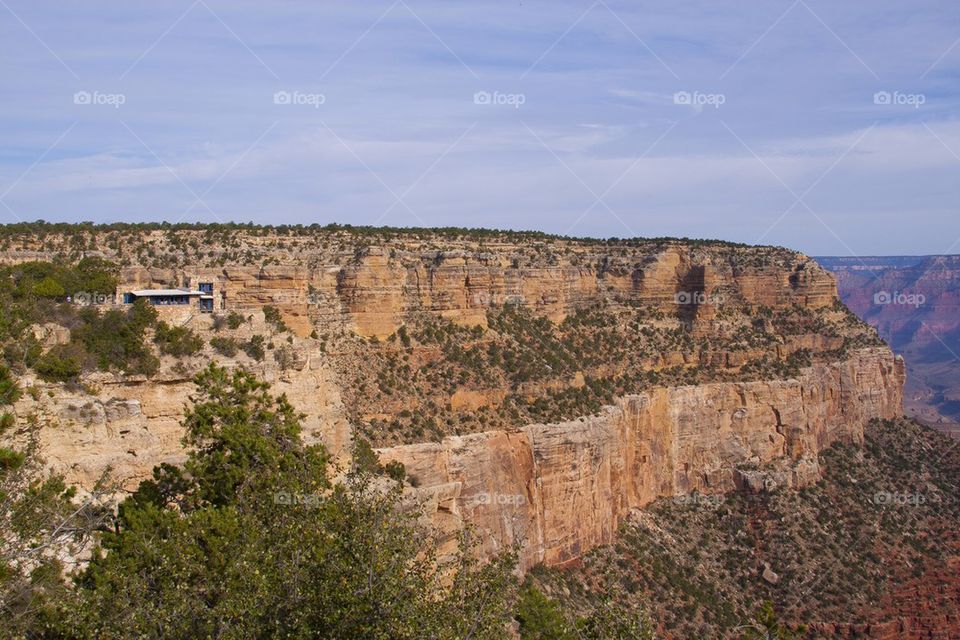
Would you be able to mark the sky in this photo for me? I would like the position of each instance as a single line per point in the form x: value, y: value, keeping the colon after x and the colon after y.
x: 822, y: 126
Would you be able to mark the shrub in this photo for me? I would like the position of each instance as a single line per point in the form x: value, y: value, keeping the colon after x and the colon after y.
x: 50, y: 280
x: 6, y: 422
x: 272, y: 315
x: 177, y: 341
x: 284, y: 357
x: 395, y: 470
x: 116, y: 338
x: 234, y: 320
x: 225, y: 346
x: 57, y: 366
x: 48, y: 288
x: 255, y: 347
x: 541, y: 618
x: 9, y: 459
x: 9, y: 391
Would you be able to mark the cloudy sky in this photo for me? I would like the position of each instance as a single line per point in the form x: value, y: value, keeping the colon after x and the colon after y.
x: 824, y: 126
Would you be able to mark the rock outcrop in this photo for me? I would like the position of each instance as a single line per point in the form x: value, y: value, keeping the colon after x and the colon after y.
x: 561, y: 489
x: 132, y: 424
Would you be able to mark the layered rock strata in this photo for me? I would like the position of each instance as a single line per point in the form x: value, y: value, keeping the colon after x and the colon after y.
x: 371, y: 289
x: 560, y: 489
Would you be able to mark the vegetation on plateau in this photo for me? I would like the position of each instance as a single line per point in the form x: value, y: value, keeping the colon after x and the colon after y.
x: 527, y: 369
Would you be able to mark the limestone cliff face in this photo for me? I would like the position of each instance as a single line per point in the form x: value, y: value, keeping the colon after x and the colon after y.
x: 377, y: 289
x: 561, y: 489
x: 133, y: 424
x: 371, y: 290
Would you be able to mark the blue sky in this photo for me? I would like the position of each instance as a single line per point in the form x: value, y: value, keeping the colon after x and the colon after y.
x: 754, y: 122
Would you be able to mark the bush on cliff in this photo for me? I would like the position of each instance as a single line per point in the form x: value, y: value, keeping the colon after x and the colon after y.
x: 57, y: 280
x: 115, y: 338
x: 60, y: 364
x: 542, y: 618
x: 225, y: 346
x: 255, y: 347
x: 43, y: 526
x: 9, y: 391
x: 177, y: 341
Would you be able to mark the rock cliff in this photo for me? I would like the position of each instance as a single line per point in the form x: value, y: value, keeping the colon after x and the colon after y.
x: 125, y: 426
x: 561, y: 489
x: 371, y: 283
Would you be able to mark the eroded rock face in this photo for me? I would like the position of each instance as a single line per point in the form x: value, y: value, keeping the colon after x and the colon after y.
x: 133, y: 424
x: 371, y: 290
x: 561, y: 489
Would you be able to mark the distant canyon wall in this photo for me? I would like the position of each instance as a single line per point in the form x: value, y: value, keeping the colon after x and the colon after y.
x: 561, y: 489
x: 914, y: 303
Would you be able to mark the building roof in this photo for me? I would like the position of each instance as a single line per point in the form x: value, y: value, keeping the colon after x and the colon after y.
x: 148, y: 293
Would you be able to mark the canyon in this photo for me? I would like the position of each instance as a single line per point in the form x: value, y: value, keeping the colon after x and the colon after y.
x: 556, y: 489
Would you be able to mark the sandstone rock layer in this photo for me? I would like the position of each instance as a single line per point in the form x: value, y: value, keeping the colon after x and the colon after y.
x: 560, y: 489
